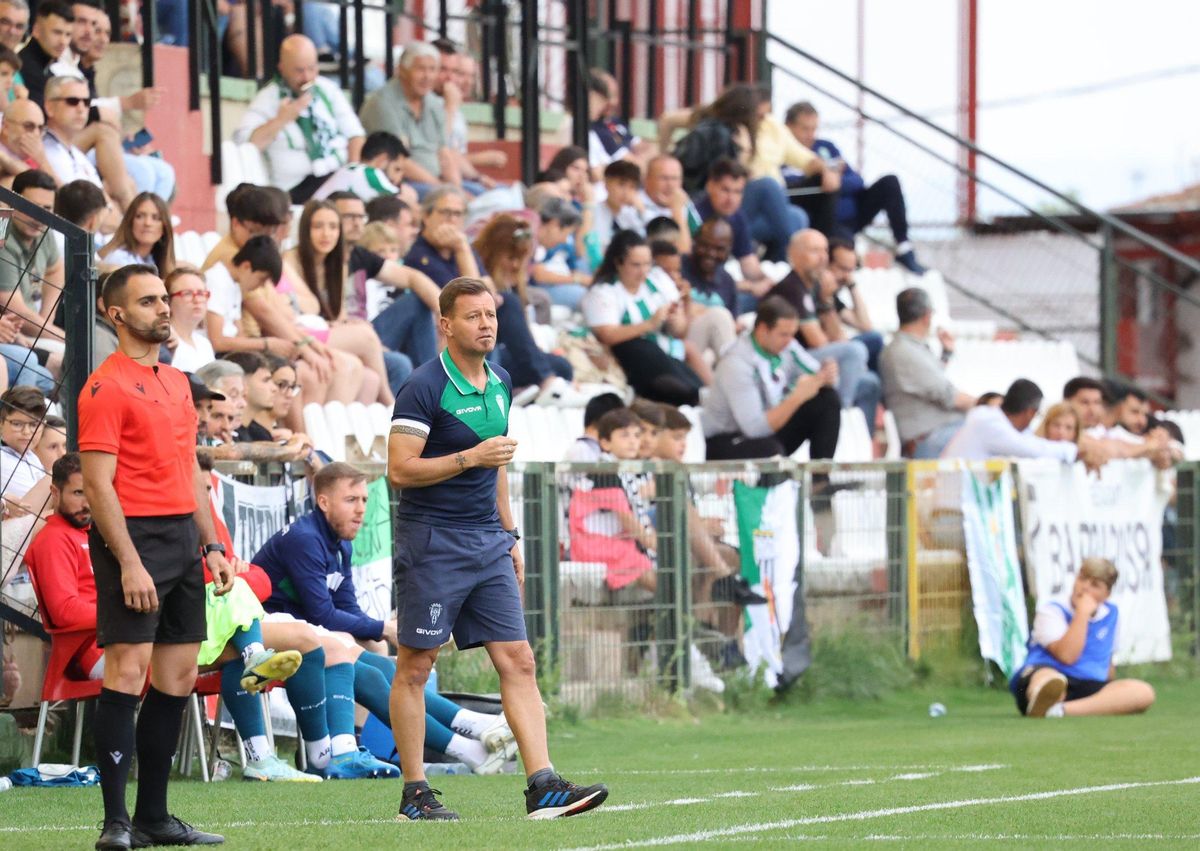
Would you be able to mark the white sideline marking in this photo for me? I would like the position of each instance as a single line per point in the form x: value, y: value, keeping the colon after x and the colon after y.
x: 795, y: 787
x: 974, y: 837
x: 790, y: 769
x: 863, y: 815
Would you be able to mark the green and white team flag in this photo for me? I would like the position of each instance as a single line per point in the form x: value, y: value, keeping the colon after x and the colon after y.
x: 371, y: 560
x: 996, y: 593
x: 770, y: 549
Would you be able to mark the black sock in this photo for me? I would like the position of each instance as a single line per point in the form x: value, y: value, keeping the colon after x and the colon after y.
x: 540, y: 778
x: 412, y: 786
x: 157, y: 736
x: 113, y: 731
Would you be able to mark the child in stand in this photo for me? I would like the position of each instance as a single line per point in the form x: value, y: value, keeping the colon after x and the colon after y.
x: 604, y: 526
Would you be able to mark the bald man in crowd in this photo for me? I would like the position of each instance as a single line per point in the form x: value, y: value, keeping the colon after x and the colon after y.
x: 302, y: 123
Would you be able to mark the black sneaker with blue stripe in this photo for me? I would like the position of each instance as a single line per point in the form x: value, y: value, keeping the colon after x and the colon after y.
x: 560, y: 798
x: 422, y: 805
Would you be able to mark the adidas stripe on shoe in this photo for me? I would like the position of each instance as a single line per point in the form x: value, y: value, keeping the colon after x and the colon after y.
x: 560, y: 798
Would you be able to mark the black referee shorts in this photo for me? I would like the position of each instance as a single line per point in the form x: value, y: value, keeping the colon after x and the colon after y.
x: 170, y: 551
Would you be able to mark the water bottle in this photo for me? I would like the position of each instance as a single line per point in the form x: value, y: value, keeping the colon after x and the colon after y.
x: 222, y: 770
x: 5, y: 784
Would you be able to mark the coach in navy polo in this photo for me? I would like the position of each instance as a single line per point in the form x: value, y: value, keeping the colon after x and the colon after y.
x: 458, y: 566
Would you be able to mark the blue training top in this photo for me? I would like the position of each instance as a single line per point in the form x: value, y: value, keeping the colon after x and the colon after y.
x: 1094, y: 662
x: 439, y: 402
x: 309, y: 566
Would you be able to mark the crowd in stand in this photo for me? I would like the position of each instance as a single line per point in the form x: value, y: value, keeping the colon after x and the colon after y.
x: 647, y: 261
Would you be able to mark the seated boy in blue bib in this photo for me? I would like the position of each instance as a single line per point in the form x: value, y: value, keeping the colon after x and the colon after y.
x: 1069, y: 670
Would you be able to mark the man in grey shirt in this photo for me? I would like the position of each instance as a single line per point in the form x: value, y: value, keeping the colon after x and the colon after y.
x: 927, y: 406
x: 408, y: 108
x: 769, y: 396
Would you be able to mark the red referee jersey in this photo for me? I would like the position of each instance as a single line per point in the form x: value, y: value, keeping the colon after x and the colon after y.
x: 145, y: 416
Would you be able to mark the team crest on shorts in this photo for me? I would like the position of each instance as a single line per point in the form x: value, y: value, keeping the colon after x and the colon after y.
x: 435, y: 612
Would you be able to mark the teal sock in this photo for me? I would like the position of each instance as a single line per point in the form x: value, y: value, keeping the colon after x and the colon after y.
x: 306, y: 693
x: 437, y: 736
x: 386, y: 665
x: 440, y: 707
x: 372, y: 690
x: 243, y: 638
x: 339, y: 694
x: 244, y: 708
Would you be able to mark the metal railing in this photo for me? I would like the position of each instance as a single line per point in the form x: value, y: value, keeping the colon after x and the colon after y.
x: 1077, y: 285
x: 509, y: 38
x: 629, y: 613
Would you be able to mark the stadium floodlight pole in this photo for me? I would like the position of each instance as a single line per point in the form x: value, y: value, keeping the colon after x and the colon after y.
x: 531, y: 95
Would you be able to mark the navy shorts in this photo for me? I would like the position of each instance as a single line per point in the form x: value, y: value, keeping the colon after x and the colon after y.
x: 170, y: 551
x: 456, y: 581
x: 1076, y: 688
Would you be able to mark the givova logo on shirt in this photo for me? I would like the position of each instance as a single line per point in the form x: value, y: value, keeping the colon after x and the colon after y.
x: 474, y: 409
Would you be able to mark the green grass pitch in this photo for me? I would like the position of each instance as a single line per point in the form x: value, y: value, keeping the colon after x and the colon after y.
x: 836, y: 774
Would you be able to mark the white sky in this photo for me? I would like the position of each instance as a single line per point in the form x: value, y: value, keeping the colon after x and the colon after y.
x: 1108, y: 147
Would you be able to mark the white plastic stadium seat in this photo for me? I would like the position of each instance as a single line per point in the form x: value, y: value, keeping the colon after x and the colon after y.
x: 316, y: 427
x: 854, y: 438
x: 380, y: 417
x: 582, y: 582
x: 980, y: 366
x: 860, y: 521
x: 696, y: 449
x: 254, y: 165
x: 360, y: 426
x: 339, y: 429
x: 518, y: 430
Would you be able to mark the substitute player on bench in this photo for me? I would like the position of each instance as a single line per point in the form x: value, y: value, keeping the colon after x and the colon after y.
x: 137, y: 441
x: 458, y: 565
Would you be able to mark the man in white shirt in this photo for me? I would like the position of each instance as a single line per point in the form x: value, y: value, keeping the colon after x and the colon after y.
x: 301, y: 122
x: 66, y: 116
x: 1121, y: 427
x: 1004, y: 432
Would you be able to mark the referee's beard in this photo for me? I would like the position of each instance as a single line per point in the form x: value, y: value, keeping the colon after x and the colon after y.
x: 153, y: 334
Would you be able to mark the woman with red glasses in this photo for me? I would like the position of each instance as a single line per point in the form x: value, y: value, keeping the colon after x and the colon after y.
x: 189, y: 303
x: 144, y: 236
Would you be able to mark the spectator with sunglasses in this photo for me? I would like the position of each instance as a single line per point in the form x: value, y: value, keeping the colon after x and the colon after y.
x: 189, y: 305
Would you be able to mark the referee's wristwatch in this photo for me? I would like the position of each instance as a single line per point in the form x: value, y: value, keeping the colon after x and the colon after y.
x: 214, y: 548
x: 515, y: 532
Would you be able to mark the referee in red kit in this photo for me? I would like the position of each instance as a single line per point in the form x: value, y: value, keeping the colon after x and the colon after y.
x: 137, y: 442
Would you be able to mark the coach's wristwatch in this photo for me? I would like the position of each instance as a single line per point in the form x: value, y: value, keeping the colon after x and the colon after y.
x: 515, y: 532
x: 214, y: 548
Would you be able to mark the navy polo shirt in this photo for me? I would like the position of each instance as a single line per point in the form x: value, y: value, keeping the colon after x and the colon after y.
x: 743, y: 244
x: 721, y: 291
x: 425, y: 257
x: 439, y: 402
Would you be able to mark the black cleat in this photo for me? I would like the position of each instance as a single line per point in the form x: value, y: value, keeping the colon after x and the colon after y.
x: 115, y: 834
x: 423, y: 805
x: 560, y: 798
x: 172, y: 832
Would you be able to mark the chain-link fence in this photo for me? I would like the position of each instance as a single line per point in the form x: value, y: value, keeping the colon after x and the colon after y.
x: 46, y: 287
